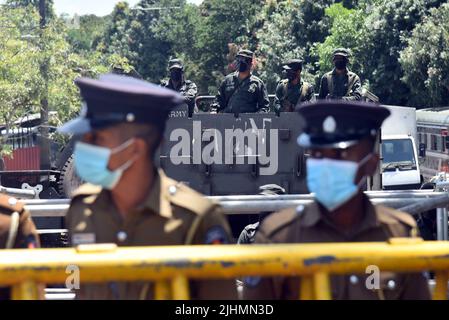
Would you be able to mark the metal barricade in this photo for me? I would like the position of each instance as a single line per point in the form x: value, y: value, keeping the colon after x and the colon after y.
x: 413, y: 202
x: 170, y: 267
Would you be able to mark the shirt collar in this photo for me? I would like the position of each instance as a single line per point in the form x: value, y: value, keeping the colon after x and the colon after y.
x: 334, y: 71
x: 313, y: 214
x: 158, y: 199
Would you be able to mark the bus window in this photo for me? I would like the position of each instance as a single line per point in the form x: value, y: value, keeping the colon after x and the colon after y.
x: 433, y: 142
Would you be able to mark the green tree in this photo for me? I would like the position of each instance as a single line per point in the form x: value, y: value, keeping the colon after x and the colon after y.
x: 224, y: 23
x: 88, y: 34
x: 347, y: 30
x: 21, y: 55
x: 290, y: 30
x: 425, y: 60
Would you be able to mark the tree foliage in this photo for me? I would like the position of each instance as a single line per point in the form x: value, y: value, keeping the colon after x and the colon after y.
x: 24, y: 48
x: 425, y: 60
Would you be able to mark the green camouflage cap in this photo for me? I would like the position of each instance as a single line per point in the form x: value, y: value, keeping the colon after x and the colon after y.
x: 342, y: 52
x: 246, y: 54
x: 175, y: 64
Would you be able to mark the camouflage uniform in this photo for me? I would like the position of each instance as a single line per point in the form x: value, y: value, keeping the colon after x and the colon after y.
x: 288, y: 96
x: 243, y: 96
x: 187, y: 89
x: 344, y: 86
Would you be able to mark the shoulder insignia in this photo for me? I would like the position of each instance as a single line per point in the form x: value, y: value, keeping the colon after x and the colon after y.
x: 392, y: 216
x: 10, y: 204
x: 280, y: 220
x: 185, y: 197
x: 216, y: 235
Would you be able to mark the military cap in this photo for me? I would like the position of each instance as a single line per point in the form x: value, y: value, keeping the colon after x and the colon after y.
x: 114, y: 99
x: 293, y: 64
x: 246, y: 54
x: 341, y: 52
x: 175, y: 64
x: 271, y: 189
x: 339, y: 124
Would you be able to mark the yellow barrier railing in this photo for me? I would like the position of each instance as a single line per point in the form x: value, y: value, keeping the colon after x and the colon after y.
x: 171, y: 267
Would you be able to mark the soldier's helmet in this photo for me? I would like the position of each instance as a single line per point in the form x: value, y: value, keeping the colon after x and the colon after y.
x: 342, y: 52
x: 175, y: 64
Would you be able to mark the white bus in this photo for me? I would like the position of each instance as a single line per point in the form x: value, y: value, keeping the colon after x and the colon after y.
x: 433, y: 139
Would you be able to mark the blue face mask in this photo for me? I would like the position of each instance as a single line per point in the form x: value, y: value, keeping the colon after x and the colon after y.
x: 332, y: 181
x: 91, y: 164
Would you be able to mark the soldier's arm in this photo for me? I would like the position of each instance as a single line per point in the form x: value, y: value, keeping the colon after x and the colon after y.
x: 311, y: 94
x: 264, y: 102
x: 214, y: 230
x: 221, y: 96
x: 323, y: 88
x: 355, y: 93
x: 278, y: 98
x: 191, y: 93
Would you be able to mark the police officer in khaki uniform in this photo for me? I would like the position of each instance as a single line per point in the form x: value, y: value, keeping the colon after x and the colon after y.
x: 340, y: 137
x: 128, y: 201
x: 17, y: 230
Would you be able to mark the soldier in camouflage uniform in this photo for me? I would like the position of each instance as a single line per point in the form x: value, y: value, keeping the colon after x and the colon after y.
x: 186, y: 88
x: 241, y: 91
x: 341, y: 83
x: 292, y: 90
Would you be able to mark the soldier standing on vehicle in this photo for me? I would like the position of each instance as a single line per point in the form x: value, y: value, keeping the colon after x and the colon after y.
x: 292, y: 91
x: 186, y: 88
x: 341, y: 83
x: 241, y: 91
x: 128, y: 201
x: 340, y: 137
x: 17, y: 231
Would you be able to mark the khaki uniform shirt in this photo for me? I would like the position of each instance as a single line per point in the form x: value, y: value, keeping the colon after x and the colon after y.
x: 17, y: 232
x: 309, y: 225
x: 172, y: 214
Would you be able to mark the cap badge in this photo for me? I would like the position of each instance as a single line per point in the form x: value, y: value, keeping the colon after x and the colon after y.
x: 329, y: 125
x: 130, y: 117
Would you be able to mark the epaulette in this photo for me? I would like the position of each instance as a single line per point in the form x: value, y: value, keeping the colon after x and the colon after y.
x: 182, y: 196
x: 9, y: 204
x: 279, y: 220
x: 389, y: 215
x: 86, y: 190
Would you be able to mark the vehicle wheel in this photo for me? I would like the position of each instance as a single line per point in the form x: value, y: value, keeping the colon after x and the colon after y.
x: 68, y: 180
